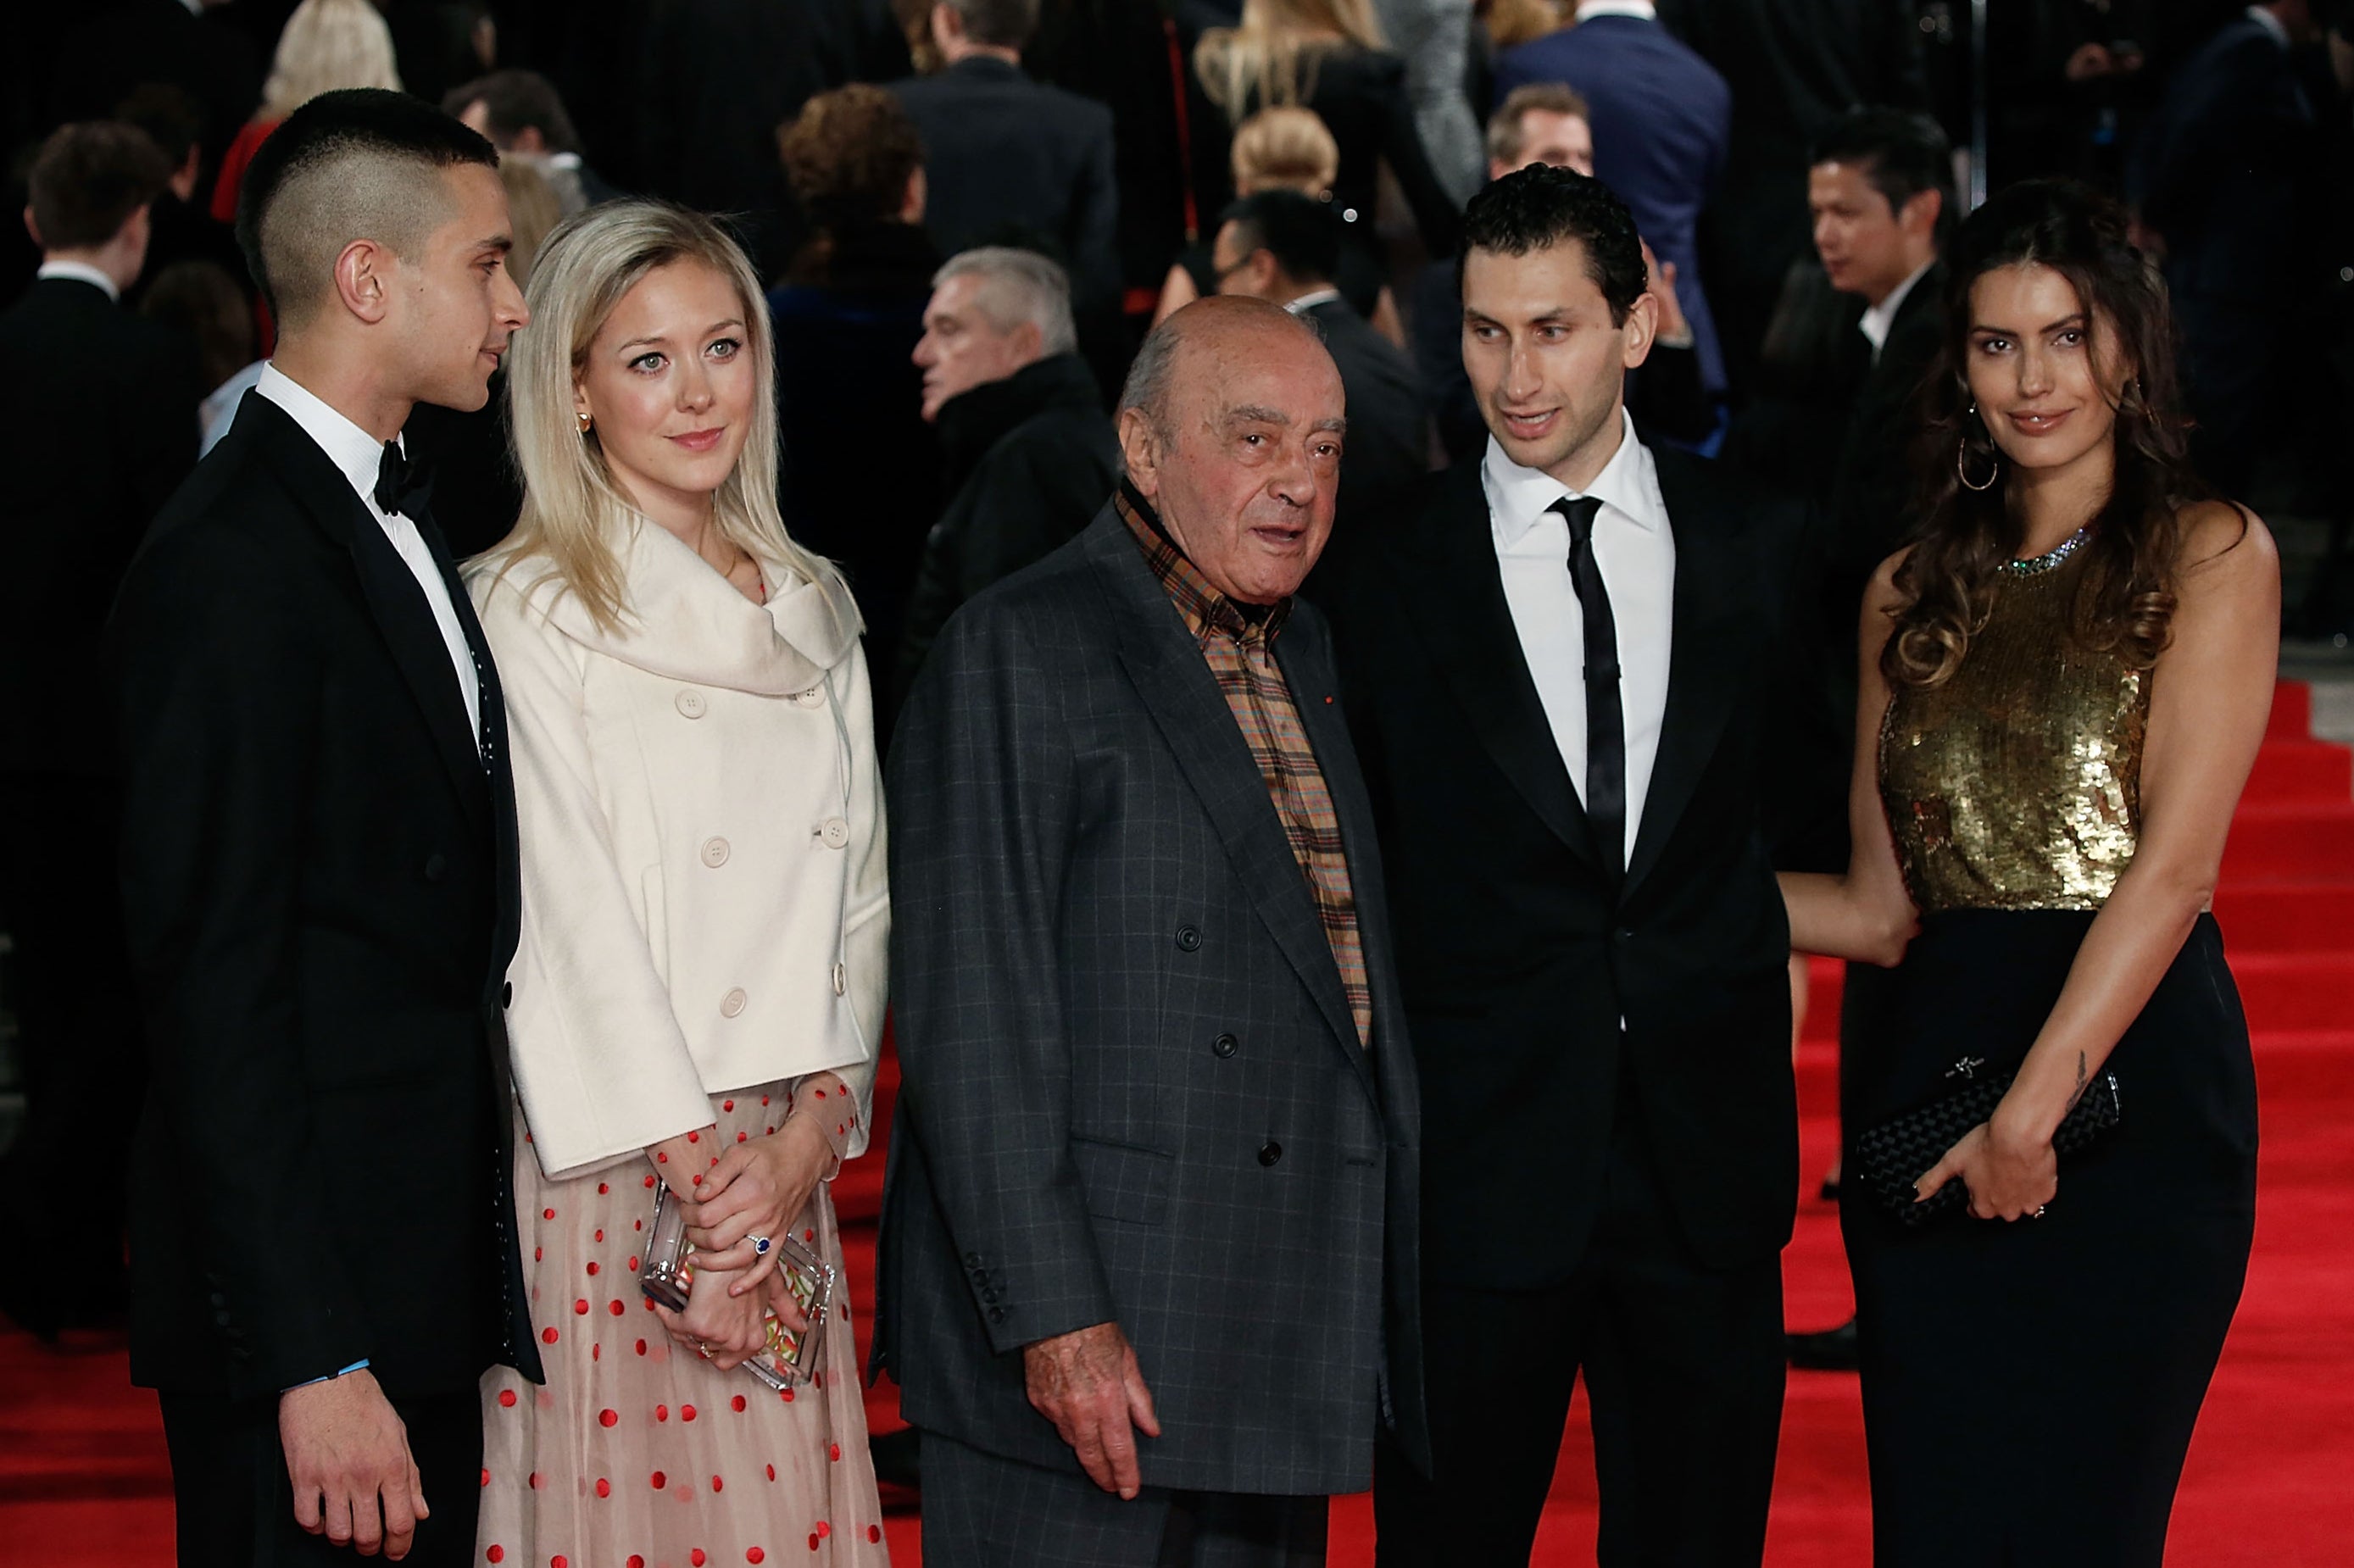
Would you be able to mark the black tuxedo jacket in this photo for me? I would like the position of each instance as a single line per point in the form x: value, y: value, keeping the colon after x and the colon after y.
x: 1004, y: 155
x: 98, y: 426
x: 1873, y: 494
x: 320, y: 883
x: 1389, y: 419
x: 1517, y: 957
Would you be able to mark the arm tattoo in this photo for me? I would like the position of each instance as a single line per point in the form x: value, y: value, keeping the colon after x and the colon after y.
x: 2081, y: 1086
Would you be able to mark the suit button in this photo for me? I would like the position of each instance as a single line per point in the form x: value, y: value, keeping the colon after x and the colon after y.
x: 972, y: 1260
x: 833, y: 833
x: 813, y: 698
x: 714, y: 852
x: 1270, y: 1153
x: 1623, y: 934
x: 1225, y: 1045
x: 1189, y: 941
x: 989, y: 1296
x: 437, y: 866
x: 691, y: 703
x: 997, y: 1314
x: 732, y: 1004
x: 506, y: 993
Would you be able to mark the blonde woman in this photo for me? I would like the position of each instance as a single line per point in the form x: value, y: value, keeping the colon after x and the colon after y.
x: 699, y: 986
x: 325, y: 45
x: 1329, y: 56
x: 1289, y: 148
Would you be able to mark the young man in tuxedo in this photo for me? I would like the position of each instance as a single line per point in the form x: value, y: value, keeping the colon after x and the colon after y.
x: 319, y: 876
x: 1556, y: 672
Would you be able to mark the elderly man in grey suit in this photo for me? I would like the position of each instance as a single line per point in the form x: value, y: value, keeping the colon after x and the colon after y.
x: 1148, y: 1271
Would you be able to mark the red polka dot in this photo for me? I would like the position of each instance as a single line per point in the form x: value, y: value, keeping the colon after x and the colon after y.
x: 486, y: 1477
x: 741, y: 1137
x: 602, y: 1189
x: 694, y: 1138
x: 737, y: 1402
x: 592, y: 1268
x: 548, y: 1336
x: 650, y: 1180
x: 727, y: 1105
x: 558, y: 1561
x: 581, y: 1307
x: 785, y: 1394
x: 660, y: 1158
x: 764, y: 1099
x: 686, y: 1412
x: 507, y: 1398
x: 495, y: 1555
x: 808, y: 1236
x: 717, y: 1484
x: 596, y: 1352
x: 615, y: 1307
x: 661, y: 1412
x: 696, y: 1557
x: 633, y: 1265
x: 661, y: 1480
x: 600, y: 1236
x: 609, y: 1418
x: 833, y: 1452
x: 698, y: 1181
x: 875, y: 1532
x: 641, y: 1344
x: 535, y: 1480
x: 538, y: 1254
x: 812, y: 1541
x: 548, y: 1213
x: 823, y: 1529
x: 772, y: 1472
x: 754, y: 1554
x: 819, y: 1093
x: 604, y: 1488
x: 636, y: 1560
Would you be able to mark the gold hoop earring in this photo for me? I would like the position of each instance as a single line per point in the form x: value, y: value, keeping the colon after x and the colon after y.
x: 1962, y: 462
x: 584, y: 421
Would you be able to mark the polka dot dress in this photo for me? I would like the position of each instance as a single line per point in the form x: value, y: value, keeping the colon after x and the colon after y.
x: 638, y: 1453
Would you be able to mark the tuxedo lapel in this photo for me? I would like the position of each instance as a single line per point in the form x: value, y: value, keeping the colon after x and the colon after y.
x: 1472, y: 639
x: 1183, y: 696
x: 395, y: 601
x: 1709, y: 645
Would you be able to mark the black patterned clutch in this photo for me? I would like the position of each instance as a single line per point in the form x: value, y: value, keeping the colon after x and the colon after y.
x: 1892, y: 1156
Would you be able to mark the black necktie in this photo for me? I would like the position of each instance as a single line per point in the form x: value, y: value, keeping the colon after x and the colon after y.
x: 1605, y: 724
x: 401, y: 485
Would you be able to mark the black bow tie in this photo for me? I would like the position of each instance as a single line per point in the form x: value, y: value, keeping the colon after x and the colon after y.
x: 401, y: 485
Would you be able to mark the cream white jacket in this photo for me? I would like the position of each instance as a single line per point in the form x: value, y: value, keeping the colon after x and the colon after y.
x: 705, y: 906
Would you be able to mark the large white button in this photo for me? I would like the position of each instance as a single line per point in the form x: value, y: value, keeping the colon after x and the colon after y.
x: 835, y: 832
x: 813, y: 698
x: 691, y: 703
x: 714, y: 852
x: 732, y: 1004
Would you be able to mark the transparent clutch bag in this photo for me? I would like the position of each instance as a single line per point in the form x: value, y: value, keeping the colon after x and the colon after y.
x: 789, y: 1358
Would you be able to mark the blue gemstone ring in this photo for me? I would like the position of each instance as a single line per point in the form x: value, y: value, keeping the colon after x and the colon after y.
x: 760, y: 1246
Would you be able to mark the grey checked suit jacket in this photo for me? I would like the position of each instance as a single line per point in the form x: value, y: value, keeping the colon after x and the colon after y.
x: 1132, y: 1091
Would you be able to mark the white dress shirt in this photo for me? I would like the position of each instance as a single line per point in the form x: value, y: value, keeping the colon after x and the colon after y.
x: 80, y: 272
x: 1635, y: 551
x: 358, y: 455
x: 1589, y: 9
x: 1880, y: 319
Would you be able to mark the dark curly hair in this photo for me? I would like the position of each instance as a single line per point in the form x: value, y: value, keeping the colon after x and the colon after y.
x: 849, y: 154
x: 1537, y: 208
x: 1947, y: 585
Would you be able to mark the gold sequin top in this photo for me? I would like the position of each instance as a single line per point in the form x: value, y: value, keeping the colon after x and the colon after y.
x: 2017, y: 784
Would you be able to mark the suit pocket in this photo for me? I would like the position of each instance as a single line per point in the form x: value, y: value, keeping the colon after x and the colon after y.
x: 1123, y: 1181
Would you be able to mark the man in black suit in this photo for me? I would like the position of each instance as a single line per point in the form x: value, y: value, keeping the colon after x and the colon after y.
x: 521, y: 112
x: 1148, y: 1265
x: 2225, y: 177
x: 98, y: 425
x: 319, y: 883
x: 1284, y: 247
x: 1006, y: 158
x: 181, y: 227
x: 1556, y: 670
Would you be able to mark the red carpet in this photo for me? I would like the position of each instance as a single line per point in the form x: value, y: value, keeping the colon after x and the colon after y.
x: 2271, y: 1479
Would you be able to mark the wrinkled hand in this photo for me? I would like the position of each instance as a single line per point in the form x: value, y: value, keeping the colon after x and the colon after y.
x: 347, y: 1457
x: 759, y: 1189
x: 2008, y: 1178
x: 1087, y: 1383
x: 1675, y: 331
x: 730, y: 1327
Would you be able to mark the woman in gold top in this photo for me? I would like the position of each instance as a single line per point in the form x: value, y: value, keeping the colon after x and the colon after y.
x: 2065, y: 679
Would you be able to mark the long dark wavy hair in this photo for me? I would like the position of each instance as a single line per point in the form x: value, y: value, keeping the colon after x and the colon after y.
x: 1947, y: 585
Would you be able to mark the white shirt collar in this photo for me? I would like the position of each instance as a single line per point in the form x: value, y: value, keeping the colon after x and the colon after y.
x: 1311, y: 298
x: 358, y: 454
x: 80, y: 272
x: 1589, y: 9
x: 1880, y: 318
x: 2271, y: 23
x: 1516, y: 497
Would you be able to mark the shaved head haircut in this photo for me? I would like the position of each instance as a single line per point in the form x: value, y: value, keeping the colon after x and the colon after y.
x: 362, y: 164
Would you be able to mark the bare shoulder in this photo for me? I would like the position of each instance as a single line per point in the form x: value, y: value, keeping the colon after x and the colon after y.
x: 2224, y: 542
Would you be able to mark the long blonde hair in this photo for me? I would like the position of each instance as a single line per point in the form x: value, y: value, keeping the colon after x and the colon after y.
x: 1285, y: 148
x: 1267, y: 62
x: 575, y: 512
x: 327, y: 45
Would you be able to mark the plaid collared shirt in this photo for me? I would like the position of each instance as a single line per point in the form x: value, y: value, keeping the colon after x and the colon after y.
x: 1240, y: 649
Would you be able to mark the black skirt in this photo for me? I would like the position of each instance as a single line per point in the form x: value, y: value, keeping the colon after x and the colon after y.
x: 2029, y: 1388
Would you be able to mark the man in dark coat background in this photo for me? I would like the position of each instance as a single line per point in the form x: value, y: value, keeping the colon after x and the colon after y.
x: 1028, y: 454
